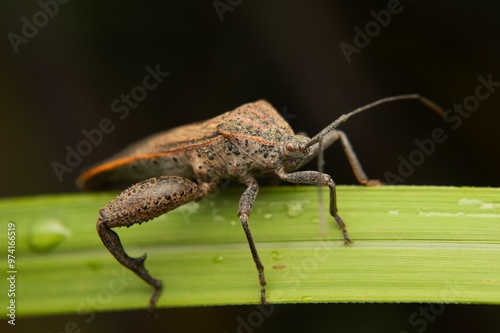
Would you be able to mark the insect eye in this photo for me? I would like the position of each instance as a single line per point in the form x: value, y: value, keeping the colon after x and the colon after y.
x: 290, y: 147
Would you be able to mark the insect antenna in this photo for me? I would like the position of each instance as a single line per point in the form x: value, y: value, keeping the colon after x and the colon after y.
x: 319, y: 140
x: 430, y: 104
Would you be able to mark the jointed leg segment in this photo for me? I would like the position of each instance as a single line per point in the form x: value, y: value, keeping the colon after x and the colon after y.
x: 313, y: 178
x: 140, y: 203
x: 112, y: 241
x: 356, y: 167
x: 245, y: 208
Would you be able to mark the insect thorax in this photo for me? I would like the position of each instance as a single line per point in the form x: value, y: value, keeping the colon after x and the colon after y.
x: 234, y: 158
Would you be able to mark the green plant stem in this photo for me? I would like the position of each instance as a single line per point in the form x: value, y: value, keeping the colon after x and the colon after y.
x: 411, y: 244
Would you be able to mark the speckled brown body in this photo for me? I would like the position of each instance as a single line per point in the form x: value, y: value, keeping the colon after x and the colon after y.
x: 249, y: 138
x: 186, y: 163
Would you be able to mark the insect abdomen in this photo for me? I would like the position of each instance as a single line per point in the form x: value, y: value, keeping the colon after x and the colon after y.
x: 123, y: 172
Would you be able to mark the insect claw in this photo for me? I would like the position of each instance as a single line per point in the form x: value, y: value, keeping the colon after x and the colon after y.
x: 263, y: 299
x: 153, y: 314
x: 373, y: 182
x: 154, y: 298
x: 347, y: 240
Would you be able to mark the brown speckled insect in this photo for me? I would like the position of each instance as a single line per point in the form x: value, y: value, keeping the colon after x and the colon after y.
x: 186, y: 163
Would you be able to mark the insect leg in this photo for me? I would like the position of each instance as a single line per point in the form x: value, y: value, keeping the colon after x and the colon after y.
x: 353, y: 160
x: 314, y: 178
x: 245, y: 208
x: 140, y: 203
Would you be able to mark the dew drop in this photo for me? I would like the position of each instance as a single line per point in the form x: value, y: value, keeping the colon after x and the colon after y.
x: 276, y: 255
x: 217, y: 259
x: 189, y: 208
x: 219, y: 218
x: 47, y: 234
x: 268, y: 216
x: 488, y: 205
x: 422, y: 212
x: 94, y: 266
x: 470, y: 202
x: 306, y: 299
x: 294, y: 208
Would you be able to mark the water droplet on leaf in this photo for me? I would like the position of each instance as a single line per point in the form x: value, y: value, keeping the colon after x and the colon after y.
x: 294, y: 208
x: 306, y: 299
x: 94, y: 266
x: 218, y: 259
x: 47, y: 234
x: 276, y: 255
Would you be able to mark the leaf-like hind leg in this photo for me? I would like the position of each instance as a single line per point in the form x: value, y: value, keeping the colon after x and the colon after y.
x: 140, y: 203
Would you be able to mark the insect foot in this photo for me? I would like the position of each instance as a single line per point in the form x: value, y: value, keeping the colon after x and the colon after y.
x: 140, y: 203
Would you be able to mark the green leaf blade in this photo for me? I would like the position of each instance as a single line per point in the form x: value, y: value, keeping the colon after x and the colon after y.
x: 411, y: 244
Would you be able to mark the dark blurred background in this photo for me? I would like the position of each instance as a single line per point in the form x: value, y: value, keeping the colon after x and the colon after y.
x: 64, y: 76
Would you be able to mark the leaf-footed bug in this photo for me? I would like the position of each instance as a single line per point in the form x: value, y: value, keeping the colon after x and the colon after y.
x: 187, y: 162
